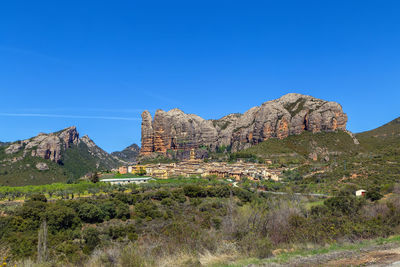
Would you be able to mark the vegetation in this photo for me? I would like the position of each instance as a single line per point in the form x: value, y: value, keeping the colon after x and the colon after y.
x: 154, y: 224
x: 20, y: 169
x: 208, y: 221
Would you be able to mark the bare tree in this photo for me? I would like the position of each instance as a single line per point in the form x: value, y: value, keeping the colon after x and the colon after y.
x: 42, y: 242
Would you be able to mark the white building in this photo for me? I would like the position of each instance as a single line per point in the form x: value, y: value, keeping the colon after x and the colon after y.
x: 130, y: 169
x: 361, y: 193
x: 126, y: 180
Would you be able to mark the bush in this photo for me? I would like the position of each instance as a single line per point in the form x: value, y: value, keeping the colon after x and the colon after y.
x: 348, y: 205
x: 373, y: 194
x: 90, y: 213
x: 38, y: 197
x: 92, y: 240
x: 60, y: 217
x: 256, y: 246
x: 147, y: 209
x: 194, y: 191
x: 122, y: 211
x: 168, y: 202
x: 117, y: 232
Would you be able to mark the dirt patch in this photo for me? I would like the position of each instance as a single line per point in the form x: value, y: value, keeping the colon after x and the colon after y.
x: 375, y: 258
x: 376, y: 255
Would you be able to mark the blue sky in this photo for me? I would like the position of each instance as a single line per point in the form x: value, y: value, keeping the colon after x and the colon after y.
x: 99, y: 64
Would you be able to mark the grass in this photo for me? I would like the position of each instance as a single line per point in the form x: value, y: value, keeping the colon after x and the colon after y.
x: 310, y: 205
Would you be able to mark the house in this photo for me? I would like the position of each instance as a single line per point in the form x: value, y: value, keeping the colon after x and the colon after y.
x: 123, y: 170
x: 160, y: 173
x: 361, y: 193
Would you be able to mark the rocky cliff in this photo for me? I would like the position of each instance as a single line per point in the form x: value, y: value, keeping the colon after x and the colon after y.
x: 52, y: 157
x: 46, y: 146
x: 289, y: 115
x: 129, y: 154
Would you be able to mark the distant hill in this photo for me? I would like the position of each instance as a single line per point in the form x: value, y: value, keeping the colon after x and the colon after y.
x: 386, y: 135
x: 54, y: 157
x: 3, y: 144
x: 129, y: 154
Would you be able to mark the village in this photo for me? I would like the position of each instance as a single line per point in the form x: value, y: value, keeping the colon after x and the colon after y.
x: 198, y: 168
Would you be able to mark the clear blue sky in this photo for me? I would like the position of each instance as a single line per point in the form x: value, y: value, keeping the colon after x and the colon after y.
x: 98, y: 64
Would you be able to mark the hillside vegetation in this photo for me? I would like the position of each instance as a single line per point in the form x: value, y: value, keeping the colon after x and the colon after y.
x: 193, y: 224
x: 304, y: 144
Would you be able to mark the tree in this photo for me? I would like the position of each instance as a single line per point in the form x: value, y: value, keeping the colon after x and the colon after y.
x: 141, y: 171
x: 90, y: 213
x: 38, y: 197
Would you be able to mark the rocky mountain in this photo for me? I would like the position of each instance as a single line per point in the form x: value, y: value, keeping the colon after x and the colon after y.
x: 52, y: 157
x: 129, y: 154
x: 174, y: 132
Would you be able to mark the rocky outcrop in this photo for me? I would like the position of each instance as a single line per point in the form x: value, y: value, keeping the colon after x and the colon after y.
x: 55, y: 146
x: 46, y: 146
x: 129, y: 154
x: 41, y: 166
x: 289, y: 115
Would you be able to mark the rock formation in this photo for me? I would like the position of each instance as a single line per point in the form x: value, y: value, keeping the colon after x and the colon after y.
x: 47, y: 146
x: 289, y: 115
x: 54, y: 145
x: 129, y: 154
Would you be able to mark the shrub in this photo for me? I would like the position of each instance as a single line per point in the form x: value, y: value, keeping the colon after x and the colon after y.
x: 60, y: 217
x: 147, y: 209
x: 122, y: 211
x: 373, y: 194
x: 38, y: 197
x: 344, y: 204
x: 161, y: 194
x: 168, y: 202
x: 194, y: 191
x: 92, y: 240
x: 90, y: 213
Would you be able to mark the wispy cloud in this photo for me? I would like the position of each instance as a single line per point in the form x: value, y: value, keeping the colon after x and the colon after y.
x: 31, y: 53
x: 68, y: 116
x: 78, y: 109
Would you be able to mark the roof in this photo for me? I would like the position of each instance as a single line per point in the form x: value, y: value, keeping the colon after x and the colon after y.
x: 125, y: 179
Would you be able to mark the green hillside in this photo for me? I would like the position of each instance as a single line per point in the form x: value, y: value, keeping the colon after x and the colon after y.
x: 328, y: 162
x: 24, y: 171
x: 21, y: 168
x: 381, y: 137
x: 301, y: 147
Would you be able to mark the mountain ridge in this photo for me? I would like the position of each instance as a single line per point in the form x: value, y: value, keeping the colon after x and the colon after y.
x: 177, y: 132
x: 52, y: 157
